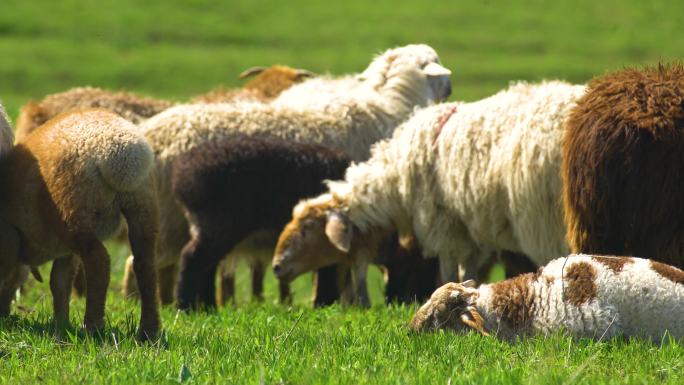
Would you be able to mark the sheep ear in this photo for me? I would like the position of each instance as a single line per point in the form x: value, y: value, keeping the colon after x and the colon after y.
x: 251, y: 72
x: 304, y: 74
x: 434, y: 69
x: 472, y: 319
x: 468, y: 283
x: 339, y: 231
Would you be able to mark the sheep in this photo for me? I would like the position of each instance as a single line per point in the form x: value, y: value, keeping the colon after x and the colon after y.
x: 622, y: 141
x: 233, y: 187
x: 583, y: 296
x: 65, y: 187
x: 467, y: 178
x: 407, y: 77
x: 267, y: 84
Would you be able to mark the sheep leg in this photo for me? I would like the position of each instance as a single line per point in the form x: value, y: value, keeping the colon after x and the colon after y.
x: 285, y: 294
x: 325, y: 282
x: 346, y: 288
x: 129, y: 288
x: 96, y: 264
x: 258, y: 272
x: 227, y: 274
x: 448, y: 270
x: 142, y: 215
x: 79, y: 280
x: 167, y: 283
x: 360, y: 284
x: 61, y: 279
x: 199, y: 258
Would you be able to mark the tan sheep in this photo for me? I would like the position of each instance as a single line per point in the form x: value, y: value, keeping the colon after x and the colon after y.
x: 66, y: 187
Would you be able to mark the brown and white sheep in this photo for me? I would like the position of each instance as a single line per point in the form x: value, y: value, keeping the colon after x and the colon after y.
x: 623, y: 165
x: 581, y: 295
x: 66, y: 187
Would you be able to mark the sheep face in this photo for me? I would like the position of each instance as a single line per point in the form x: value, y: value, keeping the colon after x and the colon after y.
x: 452, y: 306
x: 317, y: 236
x: 396, y: 60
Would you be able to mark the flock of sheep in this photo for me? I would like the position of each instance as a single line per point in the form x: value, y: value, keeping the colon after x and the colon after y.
x: 331, y: 174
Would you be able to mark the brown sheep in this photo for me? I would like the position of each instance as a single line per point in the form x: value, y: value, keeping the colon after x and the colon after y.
x: 66, y: 187
x: 623, y: 165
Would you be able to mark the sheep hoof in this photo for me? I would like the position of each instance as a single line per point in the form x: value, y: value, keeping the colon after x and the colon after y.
x: 148, y: 334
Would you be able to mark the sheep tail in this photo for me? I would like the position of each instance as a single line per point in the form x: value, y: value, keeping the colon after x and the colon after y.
x: 127, y: 163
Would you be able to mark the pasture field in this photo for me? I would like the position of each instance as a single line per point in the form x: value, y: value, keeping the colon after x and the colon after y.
x: 178, y: 49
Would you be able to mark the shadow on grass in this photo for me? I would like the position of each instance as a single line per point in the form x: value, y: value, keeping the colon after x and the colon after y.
x: 69, y: 334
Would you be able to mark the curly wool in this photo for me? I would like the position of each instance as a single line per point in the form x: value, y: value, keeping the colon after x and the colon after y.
x: 486, y: 179
x: 623, y: 161
x: 581, y: 295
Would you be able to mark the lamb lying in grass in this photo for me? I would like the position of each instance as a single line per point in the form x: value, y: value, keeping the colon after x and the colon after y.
x: 582, y: 295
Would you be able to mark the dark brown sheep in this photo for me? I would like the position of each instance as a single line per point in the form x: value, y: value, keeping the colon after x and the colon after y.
x: 235, y: 186
x: 623, y: 165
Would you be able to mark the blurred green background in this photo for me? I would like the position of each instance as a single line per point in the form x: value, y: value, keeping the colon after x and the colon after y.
x: 175, y: 49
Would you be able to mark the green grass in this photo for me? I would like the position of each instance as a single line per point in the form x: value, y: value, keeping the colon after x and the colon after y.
x: 178, y: 49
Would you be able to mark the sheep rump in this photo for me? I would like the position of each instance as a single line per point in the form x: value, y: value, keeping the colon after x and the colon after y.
x: 623, y: 141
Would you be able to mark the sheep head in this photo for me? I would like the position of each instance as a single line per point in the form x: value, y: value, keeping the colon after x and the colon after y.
x: 319, y: 234
x: 452, y: 306
x: 422, y: 57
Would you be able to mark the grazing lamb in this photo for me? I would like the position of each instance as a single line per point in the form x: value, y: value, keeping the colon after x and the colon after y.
x: 233, y: 187
x: 468, y: 179
x: 407, y: 77
x: 581, y: 295
x: 66, y: 187
x: 623, y: 165
x: 268, y: 83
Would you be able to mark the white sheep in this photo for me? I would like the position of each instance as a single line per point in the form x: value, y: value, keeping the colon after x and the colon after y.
x: 466, y: 178
x: 395, y: 83
x: 581, y: 295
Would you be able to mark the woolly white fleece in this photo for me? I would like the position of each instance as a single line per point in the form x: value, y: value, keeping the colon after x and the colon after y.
x: 487, y: 178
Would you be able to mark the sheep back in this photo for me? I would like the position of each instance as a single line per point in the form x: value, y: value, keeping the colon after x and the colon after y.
x: 258, y: 176
x: 624, y: 139
x: 128, y: 105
